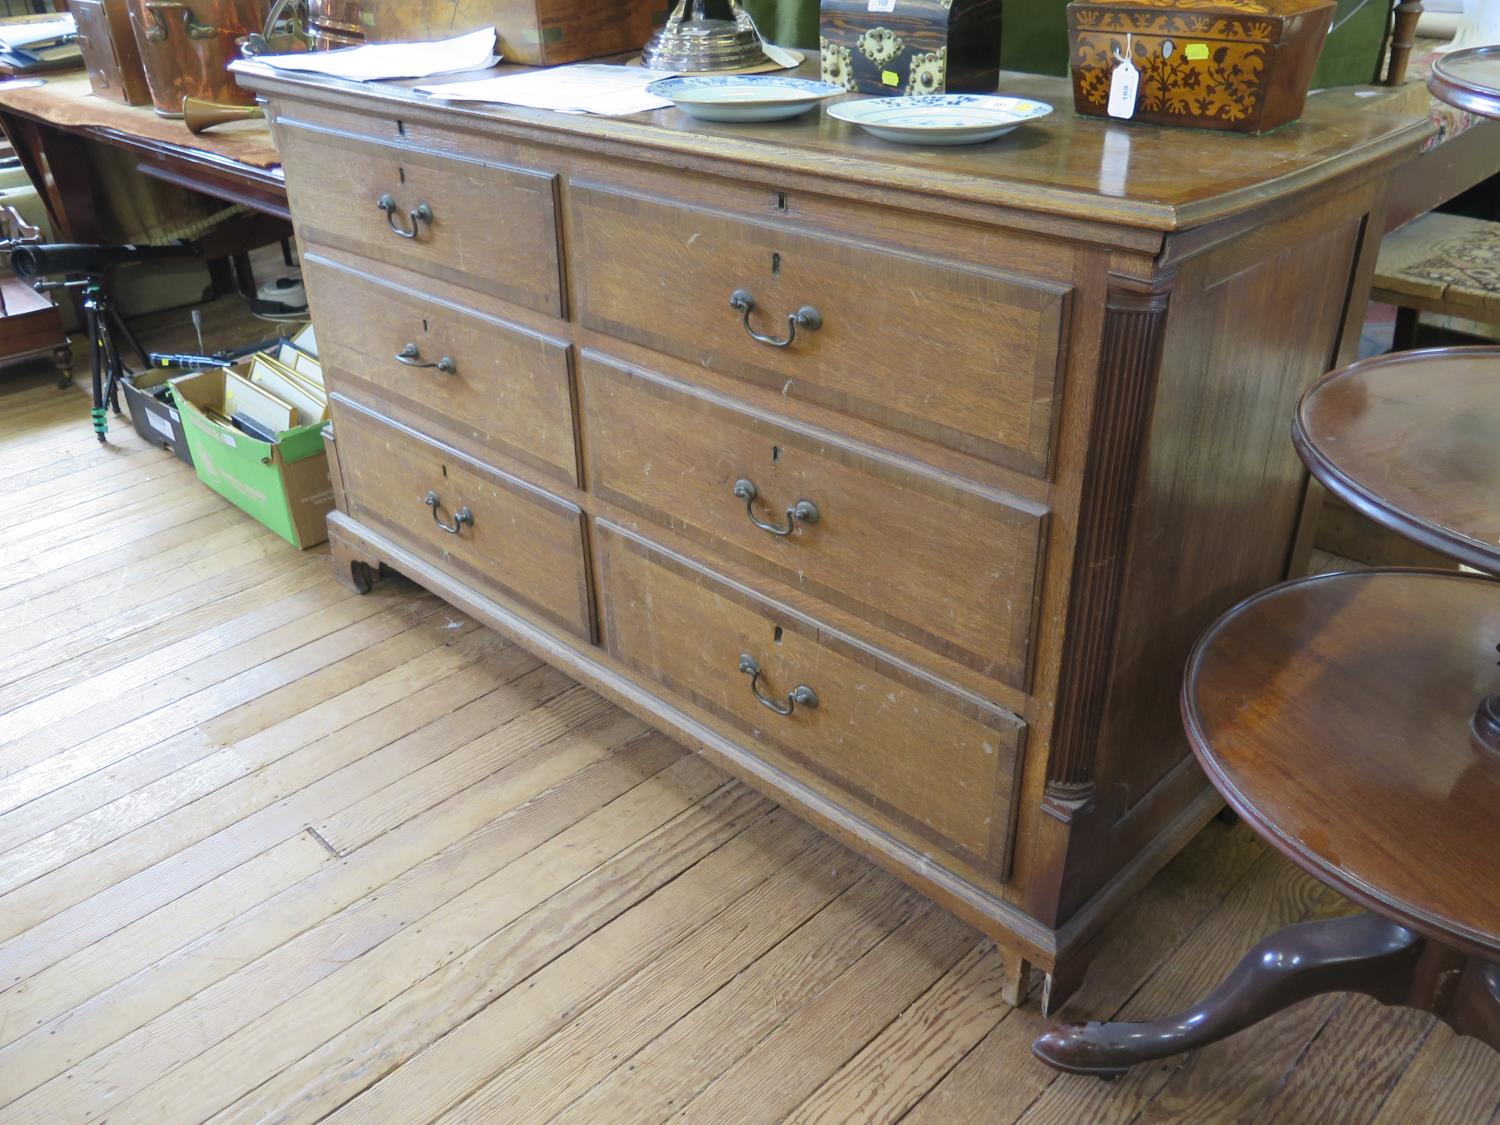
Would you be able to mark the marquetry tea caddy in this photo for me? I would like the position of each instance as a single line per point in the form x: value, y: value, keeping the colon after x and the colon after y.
x: 1239, y: 65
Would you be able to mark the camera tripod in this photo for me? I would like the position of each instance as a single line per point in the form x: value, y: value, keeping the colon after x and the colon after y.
x: 105, y: 327
x: 87, y: 268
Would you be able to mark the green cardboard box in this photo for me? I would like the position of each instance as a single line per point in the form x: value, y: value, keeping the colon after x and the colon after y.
x: 283, y: 484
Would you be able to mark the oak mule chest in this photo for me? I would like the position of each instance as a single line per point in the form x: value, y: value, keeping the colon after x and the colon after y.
x: 898, y: 482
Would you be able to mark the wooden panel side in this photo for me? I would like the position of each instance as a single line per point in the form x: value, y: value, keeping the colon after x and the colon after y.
x: 1216, y: 509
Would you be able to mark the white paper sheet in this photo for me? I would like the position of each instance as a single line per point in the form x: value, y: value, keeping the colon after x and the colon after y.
x: 611, y: 91
x: 377, y: 61
x: 26, y: 33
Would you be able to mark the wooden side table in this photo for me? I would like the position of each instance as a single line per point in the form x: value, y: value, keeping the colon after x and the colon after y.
x: 1353, y: 720
x: 1469, y: 80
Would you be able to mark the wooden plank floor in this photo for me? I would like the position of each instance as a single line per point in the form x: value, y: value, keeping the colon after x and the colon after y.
x: 273, y: 852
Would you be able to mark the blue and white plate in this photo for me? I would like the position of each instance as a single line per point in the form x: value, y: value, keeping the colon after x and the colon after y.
x: 940, y: 119
x: 744, y: 97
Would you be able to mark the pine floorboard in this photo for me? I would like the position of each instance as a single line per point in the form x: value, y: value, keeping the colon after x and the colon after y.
x: 273, y: 852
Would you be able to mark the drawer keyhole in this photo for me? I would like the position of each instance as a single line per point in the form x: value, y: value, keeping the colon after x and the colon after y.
x: 776, y: 634
x: 775, y: 265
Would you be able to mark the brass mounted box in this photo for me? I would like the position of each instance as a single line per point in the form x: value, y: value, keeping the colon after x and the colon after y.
x: 911, y: 46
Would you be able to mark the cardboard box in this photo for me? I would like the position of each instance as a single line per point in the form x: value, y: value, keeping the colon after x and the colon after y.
x: 156, y: 421
x: 284, y: 484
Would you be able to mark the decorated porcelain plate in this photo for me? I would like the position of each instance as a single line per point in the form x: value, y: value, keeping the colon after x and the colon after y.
x: 940, y: 119
x: 744, y: 97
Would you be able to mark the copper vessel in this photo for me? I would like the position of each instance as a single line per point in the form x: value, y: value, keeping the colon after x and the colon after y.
x: 187, y: 46
x: 335, y: 23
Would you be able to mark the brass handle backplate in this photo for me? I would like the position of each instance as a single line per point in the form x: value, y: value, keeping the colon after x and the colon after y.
x: 803, y: 511
x: 411, y: 355
x: 418, y: 215
x: 799, y: 696
x: 156, y: 26
x: 807, y: 318
x: 460, y: 517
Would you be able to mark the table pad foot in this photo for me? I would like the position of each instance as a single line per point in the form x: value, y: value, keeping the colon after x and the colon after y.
x: 1363, y: 953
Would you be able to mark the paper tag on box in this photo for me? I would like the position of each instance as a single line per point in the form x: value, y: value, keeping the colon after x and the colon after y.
x: 1123, y: 84
x: 159, y: 424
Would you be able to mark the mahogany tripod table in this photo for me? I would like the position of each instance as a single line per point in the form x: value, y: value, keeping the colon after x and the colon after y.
x: 1353, y: 720
x: 1469, y: 79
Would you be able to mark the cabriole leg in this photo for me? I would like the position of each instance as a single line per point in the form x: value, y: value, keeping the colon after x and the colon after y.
x: 1359, y: 954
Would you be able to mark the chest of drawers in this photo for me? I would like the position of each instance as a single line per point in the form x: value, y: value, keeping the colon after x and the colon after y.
x: 897, y: 482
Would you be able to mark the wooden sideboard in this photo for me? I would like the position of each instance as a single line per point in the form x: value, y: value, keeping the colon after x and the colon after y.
x: 1031, y: 436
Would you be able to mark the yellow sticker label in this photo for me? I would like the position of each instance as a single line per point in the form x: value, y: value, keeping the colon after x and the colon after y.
x: 890, y: 78
x: 1196, y: 51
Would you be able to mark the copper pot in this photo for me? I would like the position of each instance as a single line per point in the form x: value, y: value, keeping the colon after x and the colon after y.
x: 187, y: 46
x: 335, y: 23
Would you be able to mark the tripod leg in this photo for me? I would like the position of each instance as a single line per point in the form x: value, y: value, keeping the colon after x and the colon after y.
x: 124, y: 329
x: 114, y: 367
x: 96, y: 356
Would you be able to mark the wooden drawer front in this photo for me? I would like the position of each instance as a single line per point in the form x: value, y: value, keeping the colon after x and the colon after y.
x: 942, y: 762
x: 948, y: 564
x: 493, y: 228
x: 967, y: 358
x: 517, y: 540
x: 508, y: 388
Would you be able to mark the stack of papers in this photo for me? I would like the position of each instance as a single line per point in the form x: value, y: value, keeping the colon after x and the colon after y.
x: 32, y: 43
x: 376, y: 61
x: 585, y: 88
x: 30, y: 33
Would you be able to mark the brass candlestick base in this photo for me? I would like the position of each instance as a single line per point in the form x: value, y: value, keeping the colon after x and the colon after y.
x: 695, y: 40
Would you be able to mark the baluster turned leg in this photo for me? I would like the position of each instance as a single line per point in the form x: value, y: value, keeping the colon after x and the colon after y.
x: 1403, y: 38
x: 1359, y: 954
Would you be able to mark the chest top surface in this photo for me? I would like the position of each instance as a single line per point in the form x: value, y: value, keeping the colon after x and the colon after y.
x: 1130, y: 175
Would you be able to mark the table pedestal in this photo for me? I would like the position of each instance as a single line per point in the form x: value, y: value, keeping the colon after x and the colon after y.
x: 1363, y: 953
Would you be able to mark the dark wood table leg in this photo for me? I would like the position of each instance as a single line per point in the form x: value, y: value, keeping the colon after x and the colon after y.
x: 1358, y: 954
x: 58, y: 165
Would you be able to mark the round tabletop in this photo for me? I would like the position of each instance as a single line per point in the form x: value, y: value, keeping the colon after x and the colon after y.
x: 1468, y: 79
x: 1333, y: 713
x: 1412, y: 440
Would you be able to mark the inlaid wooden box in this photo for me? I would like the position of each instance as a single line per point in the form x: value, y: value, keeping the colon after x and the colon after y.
x: 535, y: 32
x: 1238, y: 65
x: 109, y: 51
x: 911, y: 46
